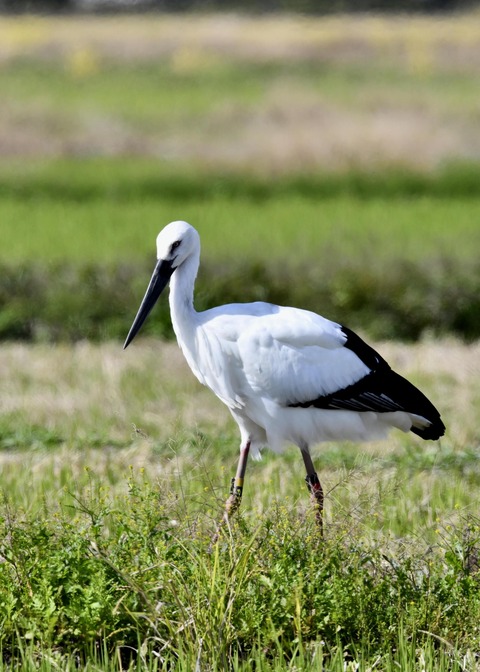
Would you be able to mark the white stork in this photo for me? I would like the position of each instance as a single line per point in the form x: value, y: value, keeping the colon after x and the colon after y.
x: 288, y: 376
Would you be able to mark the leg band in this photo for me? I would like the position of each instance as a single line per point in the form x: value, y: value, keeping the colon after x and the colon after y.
x: 236, y: 487
x: 313, y: 483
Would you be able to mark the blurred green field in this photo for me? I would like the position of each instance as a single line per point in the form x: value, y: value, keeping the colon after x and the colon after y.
x: 344, y: 149
x: 393, y: 253
x: 106, y: 211
x: 271, y: 94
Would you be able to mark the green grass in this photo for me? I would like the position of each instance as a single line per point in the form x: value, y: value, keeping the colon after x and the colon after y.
x: 157, y: 95
x: 393, y: 254
x: 115, y: 466
x: 110, y: 212
x: 334, y: 175
x: 338, y: 174
x: 162, y: 95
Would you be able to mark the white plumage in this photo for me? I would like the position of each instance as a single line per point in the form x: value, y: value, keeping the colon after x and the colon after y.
x: 287, y: 375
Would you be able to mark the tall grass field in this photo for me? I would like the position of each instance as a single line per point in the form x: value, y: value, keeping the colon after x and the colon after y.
x: 115, y: 467
x: 331, y: 164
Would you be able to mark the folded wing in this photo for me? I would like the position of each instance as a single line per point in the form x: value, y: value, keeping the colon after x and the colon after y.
x: 299, y: 359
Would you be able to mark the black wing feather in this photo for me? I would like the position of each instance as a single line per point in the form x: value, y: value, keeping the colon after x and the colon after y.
x: 382, y: 390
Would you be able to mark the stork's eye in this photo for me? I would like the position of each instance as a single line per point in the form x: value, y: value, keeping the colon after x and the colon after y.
x: 174, y: 245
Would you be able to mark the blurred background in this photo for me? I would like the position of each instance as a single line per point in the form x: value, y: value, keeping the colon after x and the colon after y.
x: 327, y: 152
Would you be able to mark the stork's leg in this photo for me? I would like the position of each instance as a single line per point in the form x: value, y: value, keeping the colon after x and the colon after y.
x: 236, y: 490
x: 314, y: 487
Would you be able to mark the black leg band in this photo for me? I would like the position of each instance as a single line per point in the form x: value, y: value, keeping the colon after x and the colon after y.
x: 312, y: 482
x: 236, y: 490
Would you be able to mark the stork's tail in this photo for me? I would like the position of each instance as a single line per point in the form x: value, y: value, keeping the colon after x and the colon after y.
x: 426, y: 419
x: 432, y: 431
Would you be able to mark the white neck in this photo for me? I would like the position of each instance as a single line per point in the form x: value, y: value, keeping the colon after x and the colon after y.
x: 184, y: 315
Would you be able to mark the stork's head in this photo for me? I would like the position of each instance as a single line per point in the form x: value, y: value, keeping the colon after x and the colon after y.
x: 176, y: 243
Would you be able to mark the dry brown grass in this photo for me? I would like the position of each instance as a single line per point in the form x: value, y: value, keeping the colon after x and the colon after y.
x: 298, y: 130
x: 290, y: 130
x: 418, y: 43
x: 142, y: 409
x: 83, y: 389
x: 295, y: 124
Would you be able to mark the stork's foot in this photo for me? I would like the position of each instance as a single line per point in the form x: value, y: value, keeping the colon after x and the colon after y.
x: 231, y: 505
x: 236, y: 490
x: 316, y: 495
x: 235, y: 498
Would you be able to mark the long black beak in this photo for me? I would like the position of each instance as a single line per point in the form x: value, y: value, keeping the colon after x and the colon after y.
x: 159, y: 280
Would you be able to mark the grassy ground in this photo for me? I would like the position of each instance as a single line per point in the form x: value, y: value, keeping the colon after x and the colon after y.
x: 114, y: 468
x: 333, y: 156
